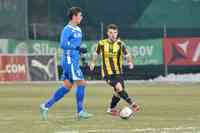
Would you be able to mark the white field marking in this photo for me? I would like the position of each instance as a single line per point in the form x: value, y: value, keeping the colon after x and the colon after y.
x: 149, y: 130
x: 7, y: 118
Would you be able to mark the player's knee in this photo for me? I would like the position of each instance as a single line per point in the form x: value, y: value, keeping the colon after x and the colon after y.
x: 67, y: 84
x: 118, y: 87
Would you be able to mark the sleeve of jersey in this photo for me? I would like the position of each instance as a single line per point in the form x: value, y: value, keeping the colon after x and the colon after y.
x: 125, y: 50
x: 98, y: 49
x: 64, y: 40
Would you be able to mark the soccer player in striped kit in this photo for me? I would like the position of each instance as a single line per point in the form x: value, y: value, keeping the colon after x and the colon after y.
x: 112, y: 50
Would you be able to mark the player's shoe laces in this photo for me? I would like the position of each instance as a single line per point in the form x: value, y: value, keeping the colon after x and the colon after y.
x: 44, y: 112
x: 113, y: 112
x: 84, y: 115
x: 135, y: 107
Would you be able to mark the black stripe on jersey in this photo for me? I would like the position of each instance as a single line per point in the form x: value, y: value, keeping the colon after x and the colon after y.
x: 112, y: 65
x: 104, y: 64
x: 118, y: 58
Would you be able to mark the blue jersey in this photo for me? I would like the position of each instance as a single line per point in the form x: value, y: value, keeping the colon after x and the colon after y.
x: 70, y: 41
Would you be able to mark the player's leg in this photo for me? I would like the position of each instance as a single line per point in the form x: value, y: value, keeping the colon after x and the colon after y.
x: 58, y: 94
x: 77, y: 76
x: 114, y: 100
x: 112, y: 109
x: 80, y: 94
x: 124, y: 95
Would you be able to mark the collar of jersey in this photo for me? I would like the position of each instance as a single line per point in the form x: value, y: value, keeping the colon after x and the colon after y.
x: 74, y: 28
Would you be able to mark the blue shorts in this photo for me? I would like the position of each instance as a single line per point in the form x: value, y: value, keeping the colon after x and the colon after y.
x: 72, y: 72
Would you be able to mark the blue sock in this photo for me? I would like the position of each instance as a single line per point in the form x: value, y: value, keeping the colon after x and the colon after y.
x: 58, y: 94
x: 80, y: 93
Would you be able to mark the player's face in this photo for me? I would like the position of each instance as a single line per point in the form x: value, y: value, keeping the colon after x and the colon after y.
x: 112, y: 34
x: 78, y: 18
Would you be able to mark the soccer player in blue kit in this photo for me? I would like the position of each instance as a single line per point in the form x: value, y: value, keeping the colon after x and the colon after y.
x: 70, y: 42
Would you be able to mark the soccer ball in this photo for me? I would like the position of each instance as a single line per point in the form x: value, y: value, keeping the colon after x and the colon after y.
x: 126, y: 113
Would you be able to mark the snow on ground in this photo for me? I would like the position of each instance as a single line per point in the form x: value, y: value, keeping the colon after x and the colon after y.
x: 178, y: 78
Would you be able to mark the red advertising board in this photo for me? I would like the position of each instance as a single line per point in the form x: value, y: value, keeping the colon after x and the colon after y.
x: 182, y: 51
x: 13, y: 68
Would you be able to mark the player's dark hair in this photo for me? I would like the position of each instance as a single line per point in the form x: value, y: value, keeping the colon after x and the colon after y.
x: 73, y: 11
x: 112, y: 26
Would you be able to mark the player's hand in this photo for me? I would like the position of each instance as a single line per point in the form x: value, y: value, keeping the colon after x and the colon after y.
x: 92, y: 65
x: 131, y: 66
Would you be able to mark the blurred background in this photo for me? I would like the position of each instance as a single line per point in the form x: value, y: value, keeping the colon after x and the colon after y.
x: 162, y: 35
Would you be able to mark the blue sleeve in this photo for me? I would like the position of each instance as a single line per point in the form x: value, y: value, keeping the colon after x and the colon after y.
x: 65, y: 40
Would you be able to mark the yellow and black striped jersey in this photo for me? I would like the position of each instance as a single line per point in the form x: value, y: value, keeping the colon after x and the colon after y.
x: 112, y: 56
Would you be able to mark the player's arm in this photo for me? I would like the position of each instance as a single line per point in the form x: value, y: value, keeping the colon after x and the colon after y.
x: 128, y: 56
x: 64, y: 40
x: 94, y: 57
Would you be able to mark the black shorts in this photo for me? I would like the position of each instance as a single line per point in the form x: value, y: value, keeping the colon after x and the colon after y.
x: 114, y: 79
